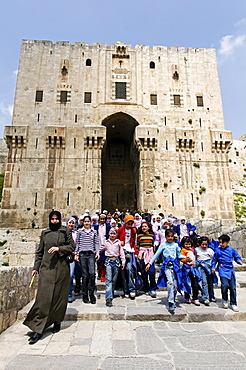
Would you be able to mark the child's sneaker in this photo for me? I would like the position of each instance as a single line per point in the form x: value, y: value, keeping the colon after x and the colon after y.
x: 212, y: 300
x: 195, y: 302
x: 153, y: 294
x: 188, y: 301
x: 225, y: 305
x: 206, y: 302
x: 109, y: 302
x: 171, y: 307
x: 132, y: 295
x: 234, y: 308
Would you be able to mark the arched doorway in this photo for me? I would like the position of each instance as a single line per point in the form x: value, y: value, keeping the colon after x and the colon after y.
x: 120, y: 163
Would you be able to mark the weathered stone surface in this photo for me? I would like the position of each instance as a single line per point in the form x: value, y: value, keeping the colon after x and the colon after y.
x: 59, y: 158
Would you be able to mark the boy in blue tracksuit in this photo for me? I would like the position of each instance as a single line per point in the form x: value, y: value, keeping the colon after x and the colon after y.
x: 223, y: 259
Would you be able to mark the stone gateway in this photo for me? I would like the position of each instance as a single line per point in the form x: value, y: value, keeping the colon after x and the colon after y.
x: 116, y: 127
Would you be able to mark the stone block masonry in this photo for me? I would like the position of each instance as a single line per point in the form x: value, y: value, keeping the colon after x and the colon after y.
x: 82, y: 112
x: 14, y: 293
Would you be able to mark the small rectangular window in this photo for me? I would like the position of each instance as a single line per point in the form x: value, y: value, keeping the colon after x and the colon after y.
x: 39, y: 96
x: 63, y: 97
x: 153, y: 99
x: 199, y: 100
x: 120, y: 90
x: 87, y: 98
x: 176, y: 100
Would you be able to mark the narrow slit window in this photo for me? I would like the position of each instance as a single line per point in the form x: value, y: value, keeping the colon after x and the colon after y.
x: 36, y: 200
x: 192, y: 200
x: 172, y: 200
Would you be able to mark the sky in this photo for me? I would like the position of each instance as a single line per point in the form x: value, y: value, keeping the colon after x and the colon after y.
x: 220, y: 24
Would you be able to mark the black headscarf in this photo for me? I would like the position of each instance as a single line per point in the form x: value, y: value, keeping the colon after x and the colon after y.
x: 54, y: 227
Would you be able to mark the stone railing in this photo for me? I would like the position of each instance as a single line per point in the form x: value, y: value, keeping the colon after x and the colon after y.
x: 214, y: 229
x: 14, y: 292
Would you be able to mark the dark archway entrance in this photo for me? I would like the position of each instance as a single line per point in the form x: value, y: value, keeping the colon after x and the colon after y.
x: 120, y: 164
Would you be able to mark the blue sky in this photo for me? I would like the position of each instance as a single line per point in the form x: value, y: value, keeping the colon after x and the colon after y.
x: 220, y: 24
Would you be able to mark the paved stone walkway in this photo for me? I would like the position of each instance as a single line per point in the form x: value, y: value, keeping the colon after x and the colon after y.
x: 134, y: 334
x: 104, y: 345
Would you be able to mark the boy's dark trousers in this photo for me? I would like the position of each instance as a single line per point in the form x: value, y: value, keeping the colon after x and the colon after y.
x: 194, y: 286
x: 229, y: 284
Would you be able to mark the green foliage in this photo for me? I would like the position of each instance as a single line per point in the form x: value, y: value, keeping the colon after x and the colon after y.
x: 165, y: 184
x: 197, y: 165
x: 202, y: 189
x: 5, y: 264
x: 157, y: 177
x: 202, y: 213
x: 240, y: 207
x: 2, y: 243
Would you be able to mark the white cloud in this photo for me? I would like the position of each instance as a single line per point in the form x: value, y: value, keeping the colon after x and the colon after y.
x: 241, y: 22
x: 229, y: 43
x: 15, y: 73
x: 6, y: 109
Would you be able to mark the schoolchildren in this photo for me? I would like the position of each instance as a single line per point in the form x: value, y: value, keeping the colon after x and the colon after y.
x: 223, y: 260
x: 115, y: 257
x: 190, y: 276
x: 127, y: 236
x: 170, y: 274
x: 70, y: 223
x: 204, y: 256
x: 185, y: 229
x: 103, y: 234
x: 145, y: 251
x: 87, y: 251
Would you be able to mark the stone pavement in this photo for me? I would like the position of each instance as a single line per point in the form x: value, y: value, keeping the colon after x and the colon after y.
x: 134, y: 334
x: 121, y: 344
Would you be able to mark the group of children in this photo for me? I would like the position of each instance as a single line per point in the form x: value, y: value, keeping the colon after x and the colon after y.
x: 133, y: 252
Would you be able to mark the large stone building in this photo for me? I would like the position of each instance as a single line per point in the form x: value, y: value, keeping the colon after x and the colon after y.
x: 116, y: 127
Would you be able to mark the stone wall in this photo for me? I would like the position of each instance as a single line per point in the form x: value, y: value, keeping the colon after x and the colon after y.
x: 14, y: 293
x: 17, y: 247
x: 214, y: 229
x: 158, y: 102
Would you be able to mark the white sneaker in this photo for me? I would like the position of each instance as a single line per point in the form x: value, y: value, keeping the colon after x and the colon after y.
x: 234, y: 308
x: 225, y: 305
x: 132, y: 295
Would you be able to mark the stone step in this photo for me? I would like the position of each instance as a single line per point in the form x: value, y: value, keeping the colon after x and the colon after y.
x: 145, y: 308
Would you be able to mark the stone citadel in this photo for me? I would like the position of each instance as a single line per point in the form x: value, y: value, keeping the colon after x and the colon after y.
x: 100, y: 126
